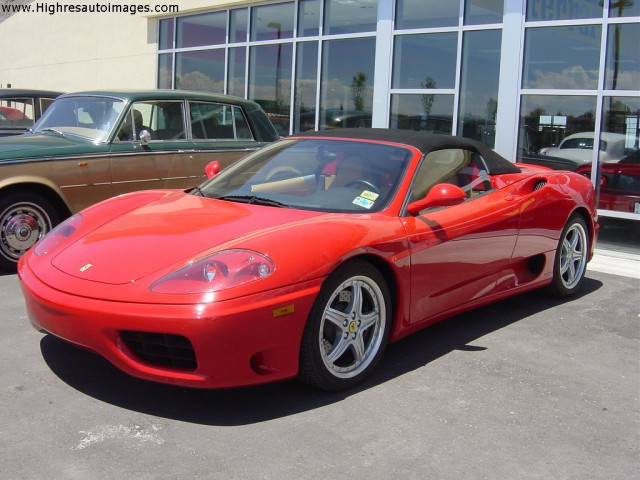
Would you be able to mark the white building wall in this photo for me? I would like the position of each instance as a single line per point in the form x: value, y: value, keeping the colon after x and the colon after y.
x: 83, y: 51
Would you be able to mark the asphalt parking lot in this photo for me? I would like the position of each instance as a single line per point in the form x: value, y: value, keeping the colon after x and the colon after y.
x: 529, y: 388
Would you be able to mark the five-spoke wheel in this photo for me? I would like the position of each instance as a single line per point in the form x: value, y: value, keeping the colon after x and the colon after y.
x: 571, y: 258
x: 348, y: 328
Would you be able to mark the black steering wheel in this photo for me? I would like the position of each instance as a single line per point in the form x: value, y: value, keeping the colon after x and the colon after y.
x: 365, y: 183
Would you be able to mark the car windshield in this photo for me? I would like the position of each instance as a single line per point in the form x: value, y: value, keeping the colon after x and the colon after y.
x: 86, y: 116
x: 314, y: 174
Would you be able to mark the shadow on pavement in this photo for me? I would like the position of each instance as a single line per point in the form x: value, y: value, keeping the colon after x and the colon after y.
x: 94, y: 376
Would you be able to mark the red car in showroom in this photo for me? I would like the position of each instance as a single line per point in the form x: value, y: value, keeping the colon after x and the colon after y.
x: 307, y: 257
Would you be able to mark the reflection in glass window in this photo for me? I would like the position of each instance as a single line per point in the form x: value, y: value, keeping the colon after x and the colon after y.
x: 545, y: 120
x: 620, y: 181
x: 165, y: 69
x: 574, y: 66
x: 478, y: 12
x: 270, y: 79
x: 236, y: 71
x: 347, y: 82
x: 199, y: 30
x: 306, y: 86
x: 353, y: 16
x: 308, y: 18
x: 623, y: 57
x: 165, y: 40
x: 201, y: 70
x: 621, y: 115
x: 428, y: 112
x: 425, y: 61
x: 479, y: 85
x: 624, y: 8
x: 272, y: 22
x: 238, y: 25
x: 543, y: 10
x: 426, y: 13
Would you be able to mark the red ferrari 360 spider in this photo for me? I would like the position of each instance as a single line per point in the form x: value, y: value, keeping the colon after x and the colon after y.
x: 307, y: 257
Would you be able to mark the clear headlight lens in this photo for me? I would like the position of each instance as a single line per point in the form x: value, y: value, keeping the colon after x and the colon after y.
x: 227, y: 269
x: 58, y: 235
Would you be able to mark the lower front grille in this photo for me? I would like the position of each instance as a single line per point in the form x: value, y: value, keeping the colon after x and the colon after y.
x: 163, y: 349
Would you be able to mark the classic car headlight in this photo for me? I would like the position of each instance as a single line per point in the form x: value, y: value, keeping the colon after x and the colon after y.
x: 227, y: 269
x: 58, y: 235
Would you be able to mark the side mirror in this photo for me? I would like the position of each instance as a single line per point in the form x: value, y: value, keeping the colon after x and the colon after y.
x: 441, y: 195
x: 144, y: 136
x: 212, y: 169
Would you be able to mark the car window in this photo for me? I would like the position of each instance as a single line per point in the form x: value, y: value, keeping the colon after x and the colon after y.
x: 91, y: 117
x: 322, y: 175
x: 214, y: 121
x: 16, y: 112
x: 163, y: 119
x: 460, y: 167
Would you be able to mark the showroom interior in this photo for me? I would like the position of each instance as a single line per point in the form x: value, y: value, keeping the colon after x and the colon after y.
x: 537, y: 80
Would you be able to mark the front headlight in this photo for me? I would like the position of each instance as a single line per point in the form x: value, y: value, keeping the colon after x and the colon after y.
x: 227, y: 269
x: 58, y: 235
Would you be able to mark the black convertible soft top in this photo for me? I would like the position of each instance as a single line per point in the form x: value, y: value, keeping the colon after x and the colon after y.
x: 422, y: 141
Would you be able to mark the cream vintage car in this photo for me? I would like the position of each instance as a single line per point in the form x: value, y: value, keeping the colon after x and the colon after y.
x: 94, y: 145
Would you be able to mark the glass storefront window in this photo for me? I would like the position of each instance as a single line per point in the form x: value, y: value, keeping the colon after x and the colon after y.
x: 270, y: 79
x: 272, y: 22
x: 200, y: 30
x: 201, y: 70
x: 573, y: 66
x: 622, y: 71
x: 624, y: 8
x: 308, y: 18
x: 236, y: 69
x: 165, y: 37
x: 347, y: 83
x: 306, y: 87
x: 478, y: 12
x: 426, y: 13
x: 165, y: 70
x: 238, y: 25
x: 427, y: 112
x: 353, y: 16
x: 619, y: 169
x: 425, y: 61
x: 479, y: 85
x: 557, y: 130
x: 545, y: 10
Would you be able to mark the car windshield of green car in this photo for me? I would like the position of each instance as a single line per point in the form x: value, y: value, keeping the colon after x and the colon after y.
x: 90, y: 117
x: 314, y: 174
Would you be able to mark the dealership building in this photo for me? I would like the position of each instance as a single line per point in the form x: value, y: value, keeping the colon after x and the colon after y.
x: 518, y: 75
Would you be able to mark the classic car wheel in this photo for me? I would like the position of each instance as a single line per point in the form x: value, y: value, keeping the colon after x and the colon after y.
x: 571, y: 258
x: 24, y: 219
x: 348, y: 327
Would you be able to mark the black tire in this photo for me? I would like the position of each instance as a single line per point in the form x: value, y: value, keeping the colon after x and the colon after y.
x: 25, y: 217
x: 571, y: 258
x: 347, y: 329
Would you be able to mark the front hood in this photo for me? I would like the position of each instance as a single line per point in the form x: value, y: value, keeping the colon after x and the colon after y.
x: 167, y: 232
x: 43, y: 145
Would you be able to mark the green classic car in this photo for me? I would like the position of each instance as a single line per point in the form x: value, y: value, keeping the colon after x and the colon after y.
x: 93, y: 145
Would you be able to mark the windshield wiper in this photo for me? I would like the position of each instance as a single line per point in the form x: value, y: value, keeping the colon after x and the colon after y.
x: 253, y: 199
x: 196, y: 190
x: 52, y: 130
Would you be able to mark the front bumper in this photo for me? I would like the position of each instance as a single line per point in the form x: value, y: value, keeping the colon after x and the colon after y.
x: 245, y: 341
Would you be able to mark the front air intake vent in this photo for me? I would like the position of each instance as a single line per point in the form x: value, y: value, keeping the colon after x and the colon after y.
x: 163, y: 349
x: 539, y: 184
